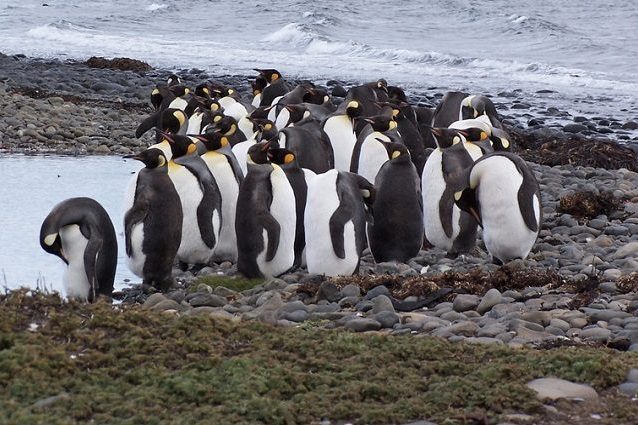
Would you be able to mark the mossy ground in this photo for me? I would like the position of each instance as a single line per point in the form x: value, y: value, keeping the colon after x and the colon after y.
x: 236, y: 283
x: 127, y: 365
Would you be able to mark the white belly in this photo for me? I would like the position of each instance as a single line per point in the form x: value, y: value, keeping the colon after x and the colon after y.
x: 342, y: 138
x: 283, y: 210
x: 505, y: 233
x: 372, y: 156
x: 235, y: 110
x: 192, y: 249
x: 240, y: 150
x: 137, y: 258
x: 321, y: 203
x: 432, y: 187
x: 76, y: 283
x: 226, y: 248
x: 256, y: 100
x: 195, y: 123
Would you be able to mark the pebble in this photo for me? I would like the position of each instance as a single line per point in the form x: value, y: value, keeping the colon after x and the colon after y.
x: 362, y: 324
x: 554, y: 388
x: 489, y: 300
x: 464, y: 302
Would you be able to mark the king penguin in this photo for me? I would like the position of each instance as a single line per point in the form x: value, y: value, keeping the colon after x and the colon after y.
x: 445, y: 225
x: 80, y: 232
x: 396, y: 233
x: 200, y: 199
x: 337, y: 209
x: 503, y: 196
x: 265, y: 224
x: 153, y: 221
x: 339, y: 127
x: 227, y: 173
x: 299, y: 179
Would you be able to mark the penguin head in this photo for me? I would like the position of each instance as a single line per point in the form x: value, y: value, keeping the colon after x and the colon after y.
x: 50, y: 239
x: 152, y: 158
x: 396, y: 94
x: 297, y: 112
x: 271, y: 75
x: 353, y: 109
x: 476, y: 134
x: 266, y: 130
x: 466, y: 200
x: 281, y: 156
x: 212, y: 140
x: 173, y: 80
x: 203, y: 91
x: 397, y: 152
x: 259, y: 84
x: 501, y: 140
x: 180, y: 145
x: 446, y: 137
x: 156, y: 98
x: 172, y: 120
x: 477, y: 105
x: 381, y: 122
x: 316, y: 95
x: 258, y: 153
x: 215, y: 107
x: 179, y: 91
x: 227, y: 125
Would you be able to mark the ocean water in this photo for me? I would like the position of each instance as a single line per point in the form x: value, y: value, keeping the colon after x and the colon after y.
x: 31, y: 186
x: 581, y: 50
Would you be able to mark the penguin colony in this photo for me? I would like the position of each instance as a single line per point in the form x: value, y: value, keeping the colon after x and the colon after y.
x: 292, y: 178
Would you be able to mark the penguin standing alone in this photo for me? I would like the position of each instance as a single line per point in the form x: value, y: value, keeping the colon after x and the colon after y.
x: 80, y: 232
x: 153, y: 221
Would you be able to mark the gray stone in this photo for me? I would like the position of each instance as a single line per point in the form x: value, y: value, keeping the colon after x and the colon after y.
x: 492, y: 330
x: 489, y: 300
x: 293, y: 306
x: 350, y: 290
x: 539, y: 317
x: 153, y: 299
x: 267, y: 312
x: 207, y: 299
x: 387, y: 318
x: 328, y: 291
x: 464, y: 302
x: 632, y: 375
x: 376, y: 291
x: 362, y: 324
x: 629, y: 388
x: 464, y: 328
x: 56, y: 101
x: 595, y: 334
x: 560, y: 324
x: 596, y: 315
x: 516, y: 324
x: 364, y: 305
x: 167, y: 305
x: 224, y: 292
x: 273, y: 284
x: 483, y: 340
x: 382, y: 303
x: 554, y: 388
x: 451, y: 315
x: 295, y: 316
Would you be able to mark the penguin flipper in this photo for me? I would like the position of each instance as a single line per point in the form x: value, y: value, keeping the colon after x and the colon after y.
x: 148, y: 123
x: 526, y: 194
x: 340, y: 217
x: 273, y: 229
x: 135, y: 215
x: 446, y: 205
x: 91, y: 253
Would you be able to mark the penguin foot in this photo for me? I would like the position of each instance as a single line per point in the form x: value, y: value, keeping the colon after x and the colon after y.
x: 497, y: 261
x: 452, y: 255
x: 196, y: 268
x: 182, y: 266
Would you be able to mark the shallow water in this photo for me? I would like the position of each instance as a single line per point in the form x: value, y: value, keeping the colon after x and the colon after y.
x: 31, y: 186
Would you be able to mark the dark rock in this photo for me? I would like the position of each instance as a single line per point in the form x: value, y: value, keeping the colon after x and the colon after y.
x: 328, y: 291
x: 121, y: 64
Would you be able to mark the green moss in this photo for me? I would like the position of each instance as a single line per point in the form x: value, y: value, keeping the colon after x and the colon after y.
x: 131, y: 366
x: 230, y: 282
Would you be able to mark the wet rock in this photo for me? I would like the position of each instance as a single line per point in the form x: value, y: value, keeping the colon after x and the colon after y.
x: 464, y: 302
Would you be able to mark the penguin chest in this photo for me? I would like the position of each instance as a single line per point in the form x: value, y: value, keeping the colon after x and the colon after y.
x: 432, y: 188
x: 342, y: 138
x: 76, y: 282
x: 282, y: 119
x: 322, y: 203
x: 373, y: 155
x: 235, y: 110
x: 282, y: 209
x: 240, y: 150
x: 226, y: 248
x: 195, y: 123
x: 192, y: 248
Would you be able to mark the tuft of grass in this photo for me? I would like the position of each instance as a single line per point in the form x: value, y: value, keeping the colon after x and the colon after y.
x: 122, y: 364
x: 236, y: 283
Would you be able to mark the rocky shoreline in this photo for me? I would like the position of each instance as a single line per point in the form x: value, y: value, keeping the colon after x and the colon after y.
x: 576, y: 287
